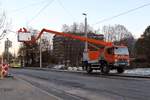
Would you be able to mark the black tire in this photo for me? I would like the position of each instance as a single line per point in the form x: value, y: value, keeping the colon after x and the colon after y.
x: 120, y: 70
x: 89, y: 69
x: 105, y: 68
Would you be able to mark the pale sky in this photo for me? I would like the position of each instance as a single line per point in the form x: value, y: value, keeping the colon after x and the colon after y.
x: 52, y: 14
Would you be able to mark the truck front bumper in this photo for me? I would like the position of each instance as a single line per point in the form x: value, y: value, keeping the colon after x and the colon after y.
x: 121, y: 64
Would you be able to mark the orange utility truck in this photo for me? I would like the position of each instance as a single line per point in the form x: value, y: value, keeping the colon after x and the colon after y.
x: 105, y: 58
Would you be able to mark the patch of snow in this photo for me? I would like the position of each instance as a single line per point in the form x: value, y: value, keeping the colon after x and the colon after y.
x: 58, y: 66
x: 70, y: 68
x: 75, y: 68
x: 80, y: 69
x: 139, y: 71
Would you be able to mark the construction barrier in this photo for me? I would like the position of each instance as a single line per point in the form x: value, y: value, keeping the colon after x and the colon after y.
x: 4, y: 70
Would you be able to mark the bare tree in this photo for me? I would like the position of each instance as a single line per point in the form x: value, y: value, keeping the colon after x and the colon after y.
x: 116, y: 33
x: 65, y: 28
x: 119, y: 35
x: 4, y: 25
x: 76, y: 28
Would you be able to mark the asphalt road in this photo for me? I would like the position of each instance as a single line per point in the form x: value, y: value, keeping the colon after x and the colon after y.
x: 81, y: 86
x: 17, y: 89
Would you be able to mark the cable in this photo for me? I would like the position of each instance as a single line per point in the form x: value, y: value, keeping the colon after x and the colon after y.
x: 60, y: 3
x: 31, y: 5
x: 40, y: 11
x: 123, y: 13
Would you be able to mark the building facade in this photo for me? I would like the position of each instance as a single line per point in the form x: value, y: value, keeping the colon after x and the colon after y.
x: 69, y: 51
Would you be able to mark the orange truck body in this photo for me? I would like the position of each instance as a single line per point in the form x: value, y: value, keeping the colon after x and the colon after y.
x: 93, y: 55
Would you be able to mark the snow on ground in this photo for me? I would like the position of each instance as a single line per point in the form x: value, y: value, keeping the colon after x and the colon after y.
x: 137, y: 71
x: 74, y: 68
x: 68, y: 68
x: 58, y: 66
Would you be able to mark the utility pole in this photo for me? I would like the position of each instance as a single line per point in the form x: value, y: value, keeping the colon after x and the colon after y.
x: 40, y: 54
x: 8, y: 44
x: 85, y: 53
x: 85, y: 31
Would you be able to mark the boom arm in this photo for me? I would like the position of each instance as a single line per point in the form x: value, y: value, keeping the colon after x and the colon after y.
x: 84, y: 39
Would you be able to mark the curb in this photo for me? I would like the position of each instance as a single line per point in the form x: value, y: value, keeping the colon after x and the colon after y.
x: 111, y: 74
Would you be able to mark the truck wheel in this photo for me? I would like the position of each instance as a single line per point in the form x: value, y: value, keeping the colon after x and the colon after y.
x: 105, y: 68
x: 120, y: 70
x: 89, y: 69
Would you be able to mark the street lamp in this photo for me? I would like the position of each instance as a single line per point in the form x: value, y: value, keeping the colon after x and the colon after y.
x: 85, y: 31
x: 85, y: 53
x: 40, y: 53
x: 8, y: 44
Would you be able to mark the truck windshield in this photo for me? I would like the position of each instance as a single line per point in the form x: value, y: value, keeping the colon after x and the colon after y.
x: 121, y: 51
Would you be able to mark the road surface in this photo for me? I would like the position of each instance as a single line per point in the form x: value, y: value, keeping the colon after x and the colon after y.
x: 81, y: 86
x: 18, y: 89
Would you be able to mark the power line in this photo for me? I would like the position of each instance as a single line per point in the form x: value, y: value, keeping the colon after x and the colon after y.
x: 30, y: 5
x: 44, y: 7
x: 66, y: 10
x: 123, y: 13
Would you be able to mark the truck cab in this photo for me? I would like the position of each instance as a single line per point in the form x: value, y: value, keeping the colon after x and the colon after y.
x: 117, y: 57
x: 106, y: 59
